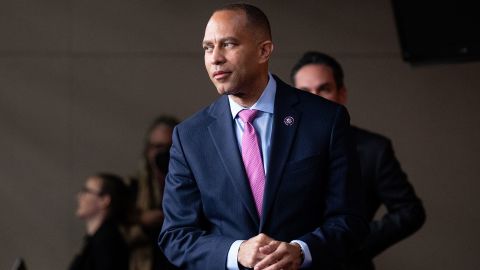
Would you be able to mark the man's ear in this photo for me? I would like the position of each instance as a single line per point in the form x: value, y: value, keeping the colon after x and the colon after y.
x: 265, y: 51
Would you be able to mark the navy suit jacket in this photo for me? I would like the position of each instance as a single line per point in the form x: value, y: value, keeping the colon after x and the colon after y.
x: 312, y: 188
x: 385, y: 183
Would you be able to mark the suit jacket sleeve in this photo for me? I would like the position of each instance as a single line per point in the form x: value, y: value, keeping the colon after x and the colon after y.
x: 184, y: 238
x: 344, y: 226
x: 405, y: 213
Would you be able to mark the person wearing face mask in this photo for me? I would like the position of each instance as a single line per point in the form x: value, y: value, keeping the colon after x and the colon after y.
x: 148, y: 185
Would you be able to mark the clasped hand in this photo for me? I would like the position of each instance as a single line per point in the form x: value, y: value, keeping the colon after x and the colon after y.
x: 263, y: 252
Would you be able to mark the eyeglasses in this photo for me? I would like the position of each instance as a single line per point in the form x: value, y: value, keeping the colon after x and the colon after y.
x: 86, y: 190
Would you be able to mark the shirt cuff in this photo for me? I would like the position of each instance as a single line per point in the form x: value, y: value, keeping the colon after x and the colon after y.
x: 307, y: 260
x: 232, y: 259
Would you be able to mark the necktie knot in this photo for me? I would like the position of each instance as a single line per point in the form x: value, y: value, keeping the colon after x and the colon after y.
x: 247, y: 116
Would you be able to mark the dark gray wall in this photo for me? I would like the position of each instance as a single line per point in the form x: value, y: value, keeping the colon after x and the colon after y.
x: 81, y: 80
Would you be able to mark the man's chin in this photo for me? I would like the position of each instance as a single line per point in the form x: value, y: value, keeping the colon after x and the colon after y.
x: 226, y: 91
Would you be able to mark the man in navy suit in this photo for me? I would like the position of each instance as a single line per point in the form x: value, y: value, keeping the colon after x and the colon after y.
x: 279, y: 190
x: 385, y: 182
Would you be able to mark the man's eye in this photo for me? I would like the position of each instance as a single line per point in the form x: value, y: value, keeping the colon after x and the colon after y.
x: 208, y: 48
x: 228, y: 45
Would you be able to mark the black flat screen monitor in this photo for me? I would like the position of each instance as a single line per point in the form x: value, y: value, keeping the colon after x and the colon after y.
x: 438, y: 31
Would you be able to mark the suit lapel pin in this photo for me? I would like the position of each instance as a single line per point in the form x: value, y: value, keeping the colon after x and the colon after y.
x: 288, y: 121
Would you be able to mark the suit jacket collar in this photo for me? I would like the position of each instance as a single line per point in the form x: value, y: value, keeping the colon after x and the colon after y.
x: 285, y: 123
x: 223, y: 136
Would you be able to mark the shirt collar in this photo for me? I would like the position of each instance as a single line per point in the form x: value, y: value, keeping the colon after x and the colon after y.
x: 264, y: 103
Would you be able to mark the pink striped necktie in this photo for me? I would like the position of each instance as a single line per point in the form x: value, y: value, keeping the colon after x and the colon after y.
x: 252, y: 158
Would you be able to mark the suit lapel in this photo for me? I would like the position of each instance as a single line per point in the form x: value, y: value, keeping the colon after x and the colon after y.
x: 225, y: 141
x: 285, y: 123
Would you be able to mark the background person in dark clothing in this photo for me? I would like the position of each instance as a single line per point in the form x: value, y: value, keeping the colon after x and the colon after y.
x: 103, y: 203
x: 385, y: 181
x: 148, y: 184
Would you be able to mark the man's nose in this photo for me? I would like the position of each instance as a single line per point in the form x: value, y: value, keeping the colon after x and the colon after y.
x: 217, y: 56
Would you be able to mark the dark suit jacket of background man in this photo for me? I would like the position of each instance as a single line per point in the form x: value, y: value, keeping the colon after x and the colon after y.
x: 387, y: 184
x: 311, y: 192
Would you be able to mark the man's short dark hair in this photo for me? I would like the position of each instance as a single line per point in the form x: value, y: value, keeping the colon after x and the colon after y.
x: 255, y: 16
x: 318, y: 58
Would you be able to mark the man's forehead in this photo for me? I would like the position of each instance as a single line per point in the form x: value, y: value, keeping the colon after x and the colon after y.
x: 225, y: 19
x: 224, y: 24
x: 315, y: 73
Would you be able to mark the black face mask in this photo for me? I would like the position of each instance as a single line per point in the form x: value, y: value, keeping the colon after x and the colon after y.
x: 161, y: 161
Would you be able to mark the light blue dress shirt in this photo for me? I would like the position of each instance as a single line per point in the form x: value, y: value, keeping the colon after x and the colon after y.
x: 263, y: 121
x: 263, y: 124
